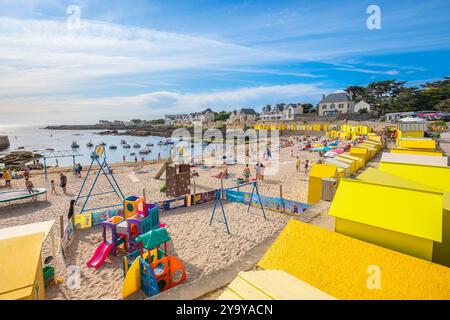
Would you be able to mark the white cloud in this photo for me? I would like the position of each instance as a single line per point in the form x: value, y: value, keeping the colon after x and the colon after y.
x: 70, y: 109
x: 370, y: 71
x: 43, y: 56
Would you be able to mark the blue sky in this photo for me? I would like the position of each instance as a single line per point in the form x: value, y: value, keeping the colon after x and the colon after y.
x: 147, y: 58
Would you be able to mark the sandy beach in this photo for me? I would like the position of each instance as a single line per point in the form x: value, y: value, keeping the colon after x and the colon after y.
x: 201, y: 248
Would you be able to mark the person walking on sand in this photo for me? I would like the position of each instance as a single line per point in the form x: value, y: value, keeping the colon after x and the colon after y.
x: 135, y: 158
x: 306, y: 167
x: 261, y: 175
x: 53, y: 187
x: 258, y: 172
x: 247, y: 173
x: 63, y: 182
x: 297, y: 164
x: 29, y: 185
x: 124, y: 158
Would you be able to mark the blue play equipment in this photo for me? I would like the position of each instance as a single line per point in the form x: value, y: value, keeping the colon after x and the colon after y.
x: 60, y: 154
x: 219, y: 200
x: 99, y: 157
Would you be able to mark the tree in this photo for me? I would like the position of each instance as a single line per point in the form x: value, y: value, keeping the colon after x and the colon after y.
x: 363, y: 110
x: 307, y: 107
x: 221, y: 116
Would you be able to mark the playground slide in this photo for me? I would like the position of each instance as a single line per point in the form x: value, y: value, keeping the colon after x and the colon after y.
x: 100, y: 254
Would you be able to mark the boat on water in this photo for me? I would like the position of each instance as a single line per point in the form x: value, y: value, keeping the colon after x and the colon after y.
x: 126, y: 146
x: 149, y: 144
x: 136, y: 145
x: 132, y: 154
x: 89, y: 144
x: 145, y: 151
x: 75, y: 145
x: 113, y: 147
x: 102, y: 144
x: 123, y: 142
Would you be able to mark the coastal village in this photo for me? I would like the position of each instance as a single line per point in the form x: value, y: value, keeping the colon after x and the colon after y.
x: 345, y: 192
x: 206, y: 158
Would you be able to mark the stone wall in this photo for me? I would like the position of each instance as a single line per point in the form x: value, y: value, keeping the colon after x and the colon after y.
x: 4, y: 142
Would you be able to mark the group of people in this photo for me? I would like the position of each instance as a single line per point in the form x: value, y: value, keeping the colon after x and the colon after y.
x: 259, y: 171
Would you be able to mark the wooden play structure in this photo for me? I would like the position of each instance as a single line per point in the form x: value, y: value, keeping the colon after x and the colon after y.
x: 342, y: 266
x: 178, y: 179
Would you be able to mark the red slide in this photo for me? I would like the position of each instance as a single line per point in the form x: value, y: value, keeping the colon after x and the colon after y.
x: 100, y: 254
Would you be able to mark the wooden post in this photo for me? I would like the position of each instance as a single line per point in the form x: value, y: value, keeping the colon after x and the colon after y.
x: 195, y: 198
x: 143, y: 193
x: 221, y: 187
x: 61, y: 226
x: 281, y: 196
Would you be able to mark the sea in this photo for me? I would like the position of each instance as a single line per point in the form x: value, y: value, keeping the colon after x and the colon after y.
x: 37, y: 139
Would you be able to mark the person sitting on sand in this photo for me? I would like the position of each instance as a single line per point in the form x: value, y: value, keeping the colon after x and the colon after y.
x: 195, y: 174
x: 29, y: 185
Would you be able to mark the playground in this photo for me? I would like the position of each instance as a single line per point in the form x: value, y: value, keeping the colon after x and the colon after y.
x: 201, y: 248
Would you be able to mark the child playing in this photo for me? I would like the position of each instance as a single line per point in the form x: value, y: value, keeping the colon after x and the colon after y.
x: 29, y: 185
x: 53, y: 187
x: 7, y: 178
x: 297, y: 164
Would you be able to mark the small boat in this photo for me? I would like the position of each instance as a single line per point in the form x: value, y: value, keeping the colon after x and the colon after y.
x: 126, y: 146
x: 75, y: 145
x: 132, y: 154
x: 113, y: 147
x: 102, y: 144
x: 136, y: 145
x: 145, y: 151
x: 123, y: 142
x: 149, y: 144
x: 89, y: 144
x: 21, y: 148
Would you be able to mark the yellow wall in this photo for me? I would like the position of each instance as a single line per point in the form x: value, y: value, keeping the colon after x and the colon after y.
x: 441, y: 251
x: 418, y: 143
x: 318, y: 171
x: 339, y: 265
x: 401, y: 242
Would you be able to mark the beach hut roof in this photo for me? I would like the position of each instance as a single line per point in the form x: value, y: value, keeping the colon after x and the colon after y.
x: 19, y: 259
x: 27, y: 229
x: 323, y: 171
x: 414, y: 159
x: 154, y: 238
x: 390, y: 207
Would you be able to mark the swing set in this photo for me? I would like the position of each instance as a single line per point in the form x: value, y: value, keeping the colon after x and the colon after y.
x: 99, y: 157
x: 219, y: 200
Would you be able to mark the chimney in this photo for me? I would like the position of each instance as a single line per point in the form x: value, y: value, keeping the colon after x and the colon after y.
x: 323, y: 97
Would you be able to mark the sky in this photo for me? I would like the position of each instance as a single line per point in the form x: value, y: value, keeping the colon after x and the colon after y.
x: 143, y: 59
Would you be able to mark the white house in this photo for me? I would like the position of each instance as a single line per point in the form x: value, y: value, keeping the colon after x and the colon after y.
x: 281, y: 112
x: 335, y: 103
x: 292, y: 111
x: 243, y: 115
x: 362, y: 105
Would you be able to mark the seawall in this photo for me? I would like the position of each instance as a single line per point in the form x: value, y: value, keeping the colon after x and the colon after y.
x: 4, y: 142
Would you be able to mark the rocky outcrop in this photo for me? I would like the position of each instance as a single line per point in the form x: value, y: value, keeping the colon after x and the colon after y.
x: 15, y: 160
x: 4, y: 142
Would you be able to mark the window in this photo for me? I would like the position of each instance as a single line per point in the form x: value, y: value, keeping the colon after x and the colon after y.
x: 324, y: 106
x: 341, y: 106
x: 332, y: 106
